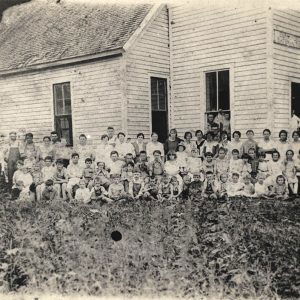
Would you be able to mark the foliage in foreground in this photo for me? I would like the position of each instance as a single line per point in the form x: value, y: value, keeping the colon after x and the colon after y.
x: 239, y: 248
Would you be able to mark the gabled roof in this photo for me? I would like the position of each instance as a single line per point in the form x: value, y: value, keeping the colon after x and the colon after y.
x: 45, y: 31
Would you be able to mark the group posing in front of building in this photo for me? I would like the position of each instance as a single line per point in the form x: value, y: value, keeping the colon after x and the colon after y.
x: 214, y: 165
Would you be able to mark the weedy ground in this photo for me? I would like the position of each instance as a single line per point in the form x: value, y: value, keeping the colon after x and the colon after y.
x: 194, y: 249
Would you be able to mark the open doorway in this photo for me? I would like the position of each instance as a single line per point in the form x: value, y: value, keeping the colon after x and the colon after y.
x: 159, y: 107
x: 295, y: 98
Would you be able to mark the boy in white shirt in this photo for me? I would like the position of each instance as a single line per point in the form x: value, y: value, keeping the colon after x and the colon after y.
x: 236, y: 187
x: 74, y: 172
x: 115, y: 164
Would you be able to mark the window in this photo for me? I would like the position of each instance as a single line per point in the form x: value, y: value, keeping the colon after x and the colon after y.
x: 159, y: 107
x: 217, y: 91
x: 63, y: 111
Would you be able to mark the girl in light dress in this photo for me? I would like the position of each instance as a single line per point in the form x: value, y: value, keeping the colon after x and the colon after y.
x: 290, y: 170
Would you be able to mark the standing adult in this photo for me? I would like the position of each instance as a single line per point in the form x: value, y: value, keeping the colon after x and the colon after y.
x: 84, y: 150
x: 140, y: 144
x: 199, y: 142
x: 295, y: 144
x: 46, y: 148
x: 30, y: 151
x: 235, y: 143
x: 172, y: 141
x: 54, y: 137
x: 122, y: 147
x: 12, y: 154
x: 153, y: 145
x: 267, y: 145
x: 112, y: 139
x: 104, y: 150
x: 282, y: 144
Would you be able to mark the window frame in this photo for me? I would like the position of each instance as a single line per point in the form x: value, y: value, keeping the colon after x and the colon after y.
x: 68, y: 116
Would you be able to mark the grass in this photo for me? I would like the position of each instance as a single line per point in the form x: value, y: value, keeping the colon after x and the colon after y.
x: 239, y: 249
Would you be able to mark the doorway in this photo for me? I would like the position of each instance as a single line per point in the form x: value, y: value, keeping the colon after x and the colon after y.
x: 295, y: 98
x: 159, y: 107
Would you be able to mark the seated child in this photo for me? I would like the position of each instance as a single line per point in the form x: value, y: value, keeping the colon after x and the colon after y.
x: 127, y: 175
x: 182, y: 156
x: 88, y: 171
x: 210, y: 189
x: 186, y: 182
x: 104, y: 181
x: 246, y: 167
x: 101, y: 169
x: 275, y: 168
x: 223, y: 186
x: 115, y: 164
x: 248, y: 190
x: 48, y: 170
x: 253, y: 161
x: 98, y: 192
x: 60, y: 179
x: 194, y: 162
x: 142, y: 164
x: 36, y: 187
x: 165, y: 189
x: 263, y: 166
x: 49, y: 193
x: 290, y: 170
x: 116, y: 189
x: 260, y: 187
x: 136, y: 185
x: 176, y: 187
x: 156, y: 167
x: 151, y: 189
x: 22, y: 180
x: 236, y: 164
x: 221, y: 163
x: 236, y: 187
x: 74, y: 172
x: 280, y: 189
x: 209, y: 163
x: 83, y: 194
x: 195, y: 187
x: 172, y: 167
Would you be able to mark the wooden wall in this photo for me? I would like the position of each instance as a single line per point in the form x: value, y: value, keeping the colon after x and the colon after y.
x: 27, y: 99
x: 206, y: 39
x: 286, y: 66
x: 148, y: 56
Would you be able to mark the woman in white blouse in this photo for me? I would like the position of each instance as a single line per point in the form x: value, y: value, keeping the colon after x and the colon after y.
x: 153, y: 145
x: 123, y: 147
x: 103, y: 151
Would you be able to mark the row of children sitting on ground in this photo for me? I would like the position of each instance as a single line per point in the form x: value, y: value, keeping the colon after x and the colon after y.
x: 245, y: 176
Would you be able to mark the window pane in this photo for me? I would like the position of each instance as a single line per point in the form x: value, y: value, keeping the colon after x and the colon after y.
x: 162, y: 102
x: 211, y: 91
x: 58, y: 92
x: 154, y: 94
x: 154, y: 102
x: 223, y: 89
x: 67, y: 93
x: 59, y: 110
x: 68, y: 106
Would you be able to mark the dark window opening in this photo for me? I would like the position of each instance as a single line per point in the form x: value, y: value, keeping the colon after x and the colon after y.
x: 295, y: 101
x: 63, y: 111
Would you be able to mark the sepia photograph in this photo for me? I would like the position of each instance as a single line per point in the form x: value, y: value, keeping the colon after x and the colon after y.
x: 149, y: 149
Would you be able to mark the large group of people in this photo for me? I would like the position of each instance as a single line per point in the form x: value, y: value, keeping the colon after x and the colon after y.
x: 214, y: 165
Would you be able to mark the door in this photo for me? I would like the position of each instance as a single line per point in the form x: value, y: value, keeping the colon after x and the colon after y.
x: 159, y: 107
x: 295, y: 101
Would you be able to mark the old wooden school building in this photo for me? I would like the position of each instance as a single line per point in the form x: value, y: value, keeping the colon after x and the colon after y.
x: 79, y: 68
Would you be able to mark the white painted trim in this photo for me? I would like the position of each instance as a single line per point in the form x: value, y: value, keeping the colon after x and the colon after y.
x: 62, y: 62
x: 123, y: 85
x: 153, y: 13
x: 202, y: 101
x: 164, y: 76
x: 58, y: 80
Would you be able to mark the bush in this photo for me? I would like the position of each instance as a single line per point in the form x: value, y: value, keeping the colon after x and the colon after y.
x: 239, y: 248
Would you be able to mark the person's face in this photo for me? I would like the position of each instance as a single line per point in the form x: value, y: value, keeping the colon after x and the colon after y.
x: 156, y: 156
x: 246, y: 180
x: 173, y: 134
x: 209, y: 138
x: 261, y: 158
x: 136, y: 176
x: 275, y: 157
x: 216, y: 138
x: 88, y: 164
x: 209, y: 177
x: 194, y: 153
x: 235, y: 155
x: 82, y: 140
x: 54, y: 137
x: 116, y: 180
x: 36, y: 167
x: 82, y: 184
x: 172, y: 156
x: 236, y: 137
x: 143, y: 156
x: 209, y: 158
x: 245, y: 160
x: 152, y: 181
x: 13, y: 136
x: 199, y: 136
x: 250, y: 136
x: 50, y: 188
x: 60, y: 166
x: 105, y: 140
x: 188, y: 137
x: 226, y: 116
x: 251, y: 153
x: 283, y: 136
x: 154, y: 137
x: 129, y: 168
x: 129, y: 158
x: 266, y: 135
x: 97, y: 185
x: 48, y: 162
x: 46, y: 142
x: 210, y: 118
x: 166, y: 179
x: 180, y: 149
x: 289, y: 155
x: 19, y: 166
x: 114, y: 157
x: 221, y: 154
x: 223, y: 178
x: 29, y: 139
x: 235, y: 178
x: 196, y: 178
x: 75, y: 159
x: 140, y: 139
x: 110, y: 132
x: 296, y: 137
x: 280, y: 181
x: 121, y: 138
x: 261, y: 180
x: 100, y: 166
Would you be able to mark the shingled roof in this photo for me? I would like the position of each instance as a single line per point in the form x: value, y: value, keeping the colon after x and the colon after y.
x: 45, y: 31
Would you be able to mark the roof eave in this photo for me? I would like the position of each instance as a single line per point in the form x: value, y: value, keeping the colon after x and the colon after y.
x: 64, y: 62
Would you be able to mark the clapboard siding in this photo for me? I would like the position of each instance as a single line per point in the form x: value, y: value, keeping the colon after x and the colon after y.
x: 149, y: 55
x: 95, y: 92
x: 286, y: 66
x: 208, y: 39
